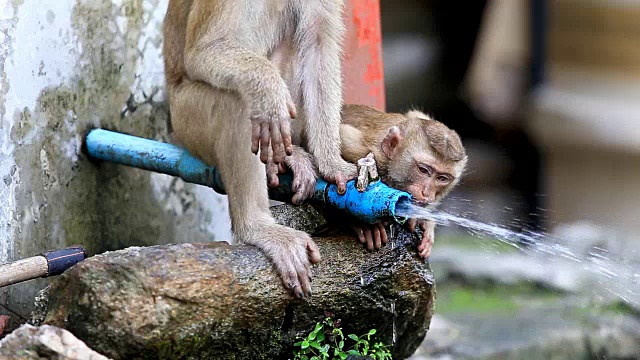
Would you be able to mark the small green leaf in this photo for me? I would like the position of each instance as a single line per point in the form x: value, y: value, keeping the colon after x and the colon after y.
x: 372, y: 331
x: 353, y: 352
x: 353, y: 337
x: 298, y: 343
x: 319, y: 327
x: 311, y: 336
x: 325, y: 348
x: 305, y: 344
x: 340, y: 344
x: 315, y: 358
x: 343, y: 356
x: 314, y: 344
x: 320, y: 337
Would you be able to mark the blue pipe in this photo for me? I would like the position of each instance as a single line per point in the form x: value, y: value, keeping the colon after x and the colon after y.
x: 376, y: 203
x: 152, y: 155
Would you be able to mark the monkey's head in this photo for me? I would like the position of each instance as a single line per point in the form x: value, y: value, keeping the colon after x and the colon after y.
x: 423, y: 157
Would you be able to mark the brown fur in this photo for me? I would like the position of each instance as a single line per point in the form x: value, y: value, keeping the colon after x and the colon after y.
x: 364, y: 128
x: 399, y: 143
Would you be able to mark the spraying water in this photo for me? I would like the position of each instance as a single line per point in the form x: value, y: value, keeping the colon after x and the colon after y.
x: 616, y: 276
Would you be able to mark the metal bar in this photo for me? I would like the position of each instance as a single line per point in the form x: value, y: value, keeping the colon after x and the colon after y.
x: 60, y: 260
x: 52, y: 262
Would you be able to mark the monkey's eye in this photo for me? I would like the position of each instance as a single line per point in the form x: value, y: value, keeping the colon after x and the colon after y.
x: 444, y: 179
x: 425, y: 169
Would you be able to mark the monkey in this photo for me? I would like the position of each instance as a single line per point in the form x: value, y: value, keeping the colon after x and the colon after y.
x: 413, y: 153
x: 237, y: 74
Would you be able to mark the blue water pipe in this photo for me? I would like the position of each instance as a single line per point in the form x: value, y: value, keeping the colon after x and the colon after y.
x: 376, y: 203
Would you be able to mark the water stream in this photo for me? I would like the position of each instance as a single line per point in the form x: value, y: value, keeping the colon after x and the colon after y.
x: 614, y: 275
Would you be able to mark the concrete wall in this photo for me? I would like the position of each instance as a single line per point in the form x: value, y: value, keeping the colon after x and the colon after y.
x: 67, y: 66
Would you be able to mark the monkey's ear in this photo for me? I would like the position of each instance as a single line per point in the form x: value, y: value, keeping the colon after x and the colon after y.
x: 392, y: 141
x: 415, y: 114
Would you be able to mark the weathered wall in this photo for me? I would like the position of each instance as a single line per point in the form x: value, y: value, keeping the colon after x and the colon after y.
x: 67, y: 66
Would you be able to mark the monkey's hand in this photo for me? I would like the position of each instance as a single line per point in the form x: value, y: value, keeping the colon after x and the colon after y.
x: 291, y: 251
x: 304, y: 174
x: 337, y: 172
x: 271, y: 124
x: 428, y: 228
x: 373, y: 237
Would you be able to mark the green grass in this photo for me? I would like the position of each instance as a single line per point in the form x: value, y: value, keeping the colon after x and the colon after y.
x: 467, y: 300
x: 620, y: 308
x: 453, y: 298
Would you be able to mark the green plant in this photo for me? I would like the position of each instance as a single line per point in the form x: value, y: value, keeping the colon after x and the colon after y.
x: 327, y: 341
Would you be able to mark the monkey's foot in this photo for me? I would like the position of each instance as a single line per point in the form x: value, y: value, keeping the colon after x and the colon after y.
x: 367, y: 172
x: 304, y: 175
x: 373, y: 237
x: 291, y: 251
x: 337, y: 172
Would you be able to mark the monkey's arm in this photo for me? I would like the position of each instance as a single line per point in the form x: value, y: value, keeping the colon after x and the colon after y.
x: 213, y: 58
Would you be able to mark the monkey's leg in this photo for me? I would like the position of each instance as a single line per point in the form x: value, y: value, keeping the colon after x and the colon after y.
x: 319, y: 40
x: 214, y: 125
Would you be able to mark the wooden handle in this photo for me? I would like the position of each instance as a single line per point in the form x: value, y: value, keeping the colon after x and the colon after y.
x: 23, y: 270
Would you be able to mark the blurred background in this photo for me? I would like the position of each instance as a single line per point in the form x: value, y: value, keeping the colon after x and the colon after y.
x: 544, y: 93
x: 546, y: 98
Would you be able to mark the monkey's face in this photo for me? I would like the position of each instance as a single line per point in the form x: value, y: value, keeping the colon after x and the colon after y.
x: 426, y: 178
x: 426, y: 160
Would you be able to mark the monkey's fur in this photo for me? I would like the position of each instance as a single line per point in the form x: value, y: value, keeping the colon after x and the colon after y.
x: 413, y: 153
x: 237, y: 71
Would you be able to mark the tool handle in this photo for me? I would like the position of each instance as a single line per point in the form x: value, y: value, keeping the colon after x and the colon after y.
x: 23, y: 270
x: 52, y: 262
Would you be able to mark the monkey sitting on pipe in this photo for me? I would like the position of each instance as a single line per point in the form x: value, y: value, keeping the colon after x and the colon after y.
x: 412, y: 151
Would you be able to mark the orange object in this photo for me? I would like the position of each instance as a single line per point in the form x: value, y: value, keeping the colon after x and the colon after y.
x: 362, y: 66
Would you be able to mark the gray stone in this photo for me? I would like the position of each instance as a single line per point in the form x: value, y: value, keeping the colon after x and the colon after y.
x: 204, y: 301
x: 304, y: 217
x: 45, y: 342
x: 542, y: 333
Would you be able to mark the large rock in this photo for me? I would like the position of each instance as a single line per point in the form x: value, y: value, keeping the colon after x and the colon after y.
x: 45, y: 342
x: 205, y: 301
